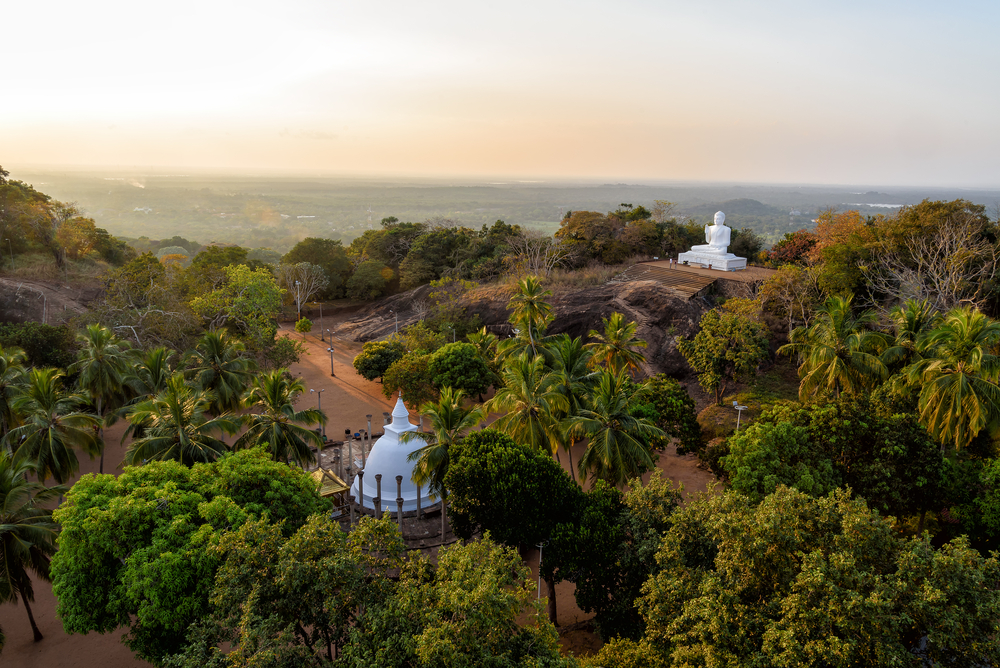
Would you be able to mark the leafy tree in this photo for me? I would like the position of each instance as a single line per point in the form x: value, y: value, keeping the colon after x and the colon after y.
x: 377, y: 356
x: 727, y: 348
x: 248, y: 301
x: 792, y: 248
x: 615, y: 349
x: 329, y: 254
x: 303, y: 326
x: 838, y: 353
x: 419, y: 338
x: 449, y: 421
x: 368, y: 281
x: 514, y: 492
x: 52, y: 426
x: 957, y: 377
x: 609, y: 550
x: 43, y: 345
x: 800, y: 581
x: 27, y: 532
x: 676, y: 413
x: 102, y: 366
x: 208, y: 268
x: 174, y: 426
x: 217, y: 363
x: 884, y: 456
x: 746, y: 243
x: 526, y: 400
x: 410, y: 375
x: 136, y: 551
x: 459, y: 366
x: 428, y: 257
x: 618, y: 447
x: 278, y: 425
x: 790, y: 293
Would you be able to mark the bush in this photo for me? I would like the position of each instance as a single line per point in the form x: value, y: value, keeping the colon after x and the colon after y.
x: 376, y: 357
x: 459, y: 366
x: 303, y: 325
x: 677, y: 414
x: 44, y: 345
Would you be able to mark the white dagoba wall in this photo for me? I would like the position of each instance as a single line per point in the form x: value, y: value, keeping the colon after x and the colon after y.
x: 388, y: 457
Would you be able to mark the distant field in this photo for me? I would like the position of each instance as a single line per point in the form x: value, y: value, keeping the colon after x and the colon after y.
x: 277, y: 212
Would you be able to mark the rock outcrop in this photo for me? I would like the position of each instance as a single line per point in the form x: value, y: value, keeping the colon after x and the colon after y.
x: 660, y: 314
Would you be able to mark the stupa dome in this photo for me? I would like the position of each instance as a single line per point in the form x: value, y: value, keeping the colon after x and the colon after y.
x: 389, y: 457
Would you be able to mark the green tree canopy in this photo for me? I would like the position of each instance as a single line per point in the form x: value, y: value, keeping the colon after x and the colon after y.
x: 727, y: 348
x: 376, y: 357
x: 368, y: 281
x: 248, y: 301
x: 329, y: 254
x: 136, y: 551
x: 459, y: 366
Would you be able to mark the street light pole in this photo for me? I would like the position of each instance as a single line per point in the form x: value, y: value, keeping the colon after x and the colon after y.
x: 319, y: 407
x: 298, y: 299
x: 739, y: 414
x: 397, y: 319
x: 331, y: 361
x: 321, y: 321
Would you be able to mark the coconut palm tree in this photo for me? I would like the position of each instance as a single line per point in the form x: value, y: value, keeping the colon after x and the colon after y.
x: 12, y: 379
x: 102, y: 365
x: 615, y: 349
x: 176, y: 426
x: 52, y: 426
x: 618, y: 450
x: 957, y: 377
x: 838, y: 352
x: 911, y: 323
x: 278, y: 423
x: 217, y: 364
x: 449, y: 422
x: 526, y: 401
x: 573, y: 380
x: 146, y: 378
x: 530, y: 315
x: 27, y: 532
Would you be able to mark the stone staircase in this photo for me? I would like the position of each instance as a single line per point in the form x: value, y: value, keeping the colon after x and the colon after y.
x: 686, y: 284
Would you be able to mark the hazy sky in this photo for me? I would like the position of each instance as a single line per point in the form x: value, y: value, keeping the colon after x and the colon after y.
x: 819, y: 92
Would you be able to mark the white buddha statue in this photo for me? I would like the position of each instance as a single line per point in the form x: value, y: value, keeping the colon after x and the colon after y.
x: 715, y: 254
x: 718, y: 236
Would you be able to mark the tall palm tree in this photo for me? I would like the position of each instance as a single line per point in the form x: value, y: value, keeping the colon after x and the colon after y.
x: 102, y: 363
x: 526, y: 401
x: 278, y: 424
x: 146, y: 378
x: 27, y: 532
x: 217, y: 363
x: 615, y: 349
x: 618, y: 450
x: 957, y: 377
x: 530, y: 315
x: 12, y: 379
x: 911, y: 323
x: 449, y: 422
x: 573, y: 380
x: 838, y: 352
x: 52, y: 426
x: 176, y: 426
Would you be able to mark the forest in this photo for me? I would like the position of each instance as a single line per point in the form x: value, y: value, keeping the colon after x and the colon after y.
x: 854, y: 521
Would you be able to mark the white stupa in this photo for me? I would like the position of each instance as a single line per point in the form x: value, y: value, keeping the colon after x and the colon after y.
x: 388, y: 457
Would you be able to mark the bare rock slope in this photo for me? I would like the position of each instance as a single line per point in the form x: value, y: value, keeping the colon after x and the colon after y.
x: 661, y: 316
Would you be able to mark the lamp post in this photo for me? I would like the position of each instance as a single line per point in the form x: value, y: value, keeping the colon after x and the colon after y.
x: 397, y: 319
x: 331, y: 361
x: 739, y: 414
x: 321, y: 321
x: 539, y: 588
x: 319, y: 407
x: 298, y: 299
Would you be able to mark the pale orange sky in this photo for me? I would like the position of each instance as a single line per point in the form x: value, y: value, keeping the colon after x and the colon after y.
x: 832, y: 92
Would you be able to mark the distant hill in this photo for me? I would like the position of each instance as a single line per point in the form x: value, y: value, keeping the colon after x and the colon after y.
x: 739, y: 207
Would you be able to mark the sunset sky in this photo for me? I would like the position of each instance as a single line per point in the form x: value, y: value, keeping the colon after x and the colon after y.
x: 814, y: 92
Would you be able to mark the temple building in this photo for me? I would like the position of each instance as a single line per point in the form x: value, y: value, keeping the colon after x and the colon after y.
x: 389, y: 457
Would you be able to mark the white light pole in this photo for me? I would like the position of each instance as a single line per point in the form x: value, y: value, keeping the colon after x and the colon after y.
x: 298, y: 299
x: 319, y: 407
x: 321, y: 321
x: 739, y: 414
x: 539, y: 588
x: 397, y: 319
x: 331, y: 361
